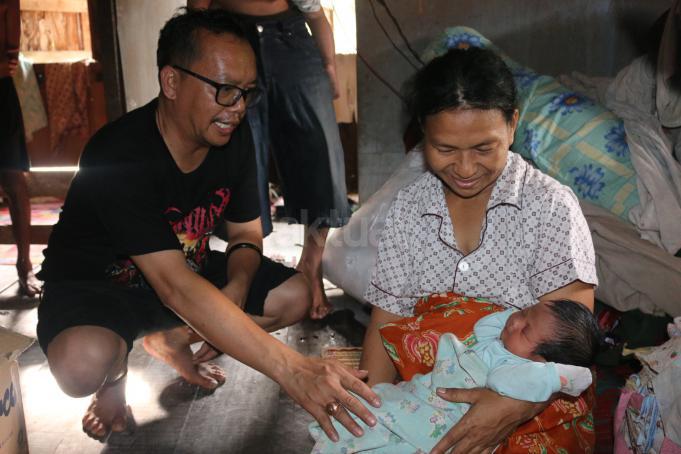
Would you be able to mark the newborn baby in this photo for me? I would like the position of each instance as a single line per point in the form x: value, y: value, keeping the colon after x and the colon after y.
x: 527, y: 355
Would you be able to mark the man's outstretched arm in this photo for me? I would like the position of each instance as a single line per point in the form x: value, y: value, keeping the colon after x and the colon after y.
x: 311, y: 382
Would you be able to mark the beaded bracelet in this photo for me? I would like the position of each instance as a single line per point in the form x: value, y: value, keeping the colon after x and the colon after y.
x: 241, y: 246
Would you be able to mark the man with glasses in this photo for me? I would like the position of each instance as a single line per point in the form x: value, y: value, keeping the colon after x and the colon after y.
x: 129, y: 256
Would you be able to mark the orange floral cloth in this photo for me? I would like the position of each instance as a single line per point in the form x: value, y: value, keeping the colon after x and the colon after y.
x: 566, y: 426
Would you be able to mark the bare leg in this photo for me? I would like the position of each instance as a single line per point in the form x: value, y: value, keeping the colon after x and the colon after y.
x: 14, y: 184
x: 311, y: 266
x: 173, y: 348
x: 89, y: 360
x: 284, y: 306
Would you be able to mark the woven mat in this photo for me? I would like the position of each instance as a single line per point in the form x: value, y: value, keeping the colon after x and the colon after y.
x: 348, y: 356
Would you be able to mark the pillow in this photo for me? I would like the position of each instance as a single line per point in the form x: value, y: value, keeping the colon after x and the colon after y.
x: 564, y: 133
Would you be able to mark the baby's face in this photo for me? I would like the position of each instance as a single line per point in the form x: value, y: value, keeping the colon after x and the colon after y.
x: 526, y: 329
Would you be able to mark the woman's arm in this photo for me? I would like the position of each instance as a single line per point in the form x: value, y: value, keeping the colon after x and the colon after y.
x: 374, y: 357
x: 575, y: 291
x: 564, y: 260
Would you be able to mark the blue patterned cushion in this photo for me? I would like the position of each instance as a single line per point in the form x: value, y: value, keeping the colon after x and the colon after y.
x: 565, y: 134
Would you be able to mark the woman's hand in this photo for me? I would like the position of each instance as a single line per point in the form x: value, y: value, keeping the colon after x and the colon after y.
x: 314, y: 383
x: 489, y: 421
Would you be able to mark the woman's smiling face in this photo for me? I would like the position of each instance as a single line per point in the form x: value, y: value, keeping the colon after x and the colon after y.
x: 467, y: 148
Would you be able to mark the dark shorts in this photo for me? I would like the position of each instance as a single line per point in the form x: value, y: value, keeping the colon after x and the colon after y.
x: 297, y: 122
x: 134, y: 312
x: 13, y: 155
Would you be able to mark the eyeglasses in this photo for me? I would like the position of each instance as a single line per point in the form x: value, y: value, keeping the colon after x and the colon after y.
x: 228, y: 95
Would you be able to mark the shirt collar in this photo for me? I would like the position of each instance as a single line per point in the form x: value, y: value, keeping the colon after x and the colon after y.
x: 433, y: 202
x: 509, y: 186
x: 507, y: 189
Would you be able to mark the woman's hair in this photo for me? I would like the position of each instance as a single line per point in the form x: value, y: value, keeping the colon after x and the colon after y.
x: 472, y: 78
x: 577, y: 337
x: 177, y: 42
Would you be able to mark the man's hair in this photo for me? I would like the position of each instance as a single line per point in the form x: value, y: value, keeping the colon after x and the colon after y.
x: 472, y: 78
x: 177, y: 42
x: 577, y: 337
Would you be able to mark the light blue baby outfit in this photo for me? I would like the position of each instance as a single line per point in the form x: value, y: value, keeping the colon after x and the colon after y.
x: 412, y: 418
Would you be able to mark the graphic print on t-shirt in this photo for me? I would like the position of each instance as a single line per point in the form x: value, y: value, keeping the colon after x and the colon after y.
x: 193, y: 231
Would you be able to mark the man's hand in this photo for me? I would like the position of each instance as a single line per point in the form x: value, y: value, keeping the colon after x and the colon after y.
x: 489, y: 421
x: 313, y: 383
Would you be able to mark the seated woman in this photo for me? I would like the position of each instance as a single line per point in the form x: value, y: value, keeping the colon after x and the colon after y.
x: 527, y: 355
x: 482, y: 222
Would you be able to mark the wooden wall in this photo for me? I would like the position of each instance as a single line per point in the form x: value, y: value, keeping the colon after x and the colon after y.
x: 55, y: 30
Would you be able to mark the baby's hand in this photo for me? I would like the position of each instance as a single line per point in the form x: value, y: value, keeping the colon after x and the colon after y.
x: 573, y: 379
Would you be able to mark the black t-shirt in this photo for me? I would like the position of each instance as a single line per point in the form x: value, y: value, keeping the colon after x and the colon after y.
x: 130, y: 198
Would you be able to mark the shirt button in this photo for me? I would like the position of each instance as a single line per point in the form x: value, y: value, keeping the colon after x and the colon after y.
x: 464, y: 266
x: 260, y: 28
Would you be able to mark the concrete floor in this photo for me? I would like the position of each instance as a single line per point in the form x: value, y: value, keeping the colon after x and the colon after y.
x: 249, y: 414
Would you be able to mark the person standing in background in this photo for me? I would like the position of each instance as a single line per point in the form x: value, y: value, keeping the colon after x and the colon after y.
x: 13, y: 156
x: 296, y: 120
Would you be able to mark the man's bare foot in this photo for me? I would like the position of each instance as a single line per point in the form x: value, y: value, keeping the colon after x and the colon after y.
x: 108, y: 412
x: 320, y: 305
x: 172, y: 347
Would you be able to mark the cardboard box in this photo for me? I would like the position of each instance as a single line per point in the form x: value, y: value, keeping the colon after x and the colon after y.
x: 13, y: 438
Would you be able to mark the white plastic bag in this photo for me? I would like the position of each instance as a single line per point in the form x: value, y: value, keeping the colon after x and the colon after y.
x: 350, y: 252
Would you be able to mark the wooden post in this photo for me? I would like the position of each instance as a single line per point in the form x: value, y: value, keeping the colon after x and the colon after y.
x: 106, y: 51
